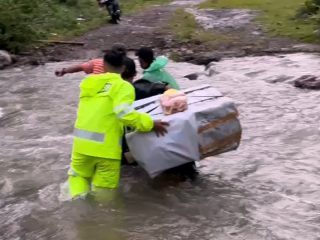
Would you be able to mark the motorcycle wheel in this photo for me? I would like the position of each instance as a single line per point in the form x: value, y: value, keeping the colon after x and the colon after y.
x: 114, y: 19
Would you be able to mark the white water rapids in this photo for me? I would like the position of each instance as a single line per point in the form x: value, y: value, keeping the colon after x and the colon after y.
x: 267, y: 189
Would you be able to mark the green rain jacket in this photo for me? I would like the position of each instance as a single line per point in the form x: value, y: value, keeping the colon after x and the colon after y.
x: 157, y: 73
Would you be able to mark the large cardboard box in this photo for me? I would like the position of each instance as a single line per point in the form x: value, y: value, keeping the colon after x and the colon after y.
x: 209, y: 127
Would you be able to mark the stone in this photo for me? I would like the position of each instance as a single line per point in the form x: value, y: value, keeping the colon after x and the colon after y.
x: 211, y: 72
x: 183, y: 49
x: 187, y: 58
x: 210, y: 65
x: 256, y: 33
x: 5, y: 59
x: 308, y: 82
x: 192, y: 76
x: 206, y: 58
x: 307, y: 47
x: 189, y: 52
x: 35, y: 62
x: 274, y: 79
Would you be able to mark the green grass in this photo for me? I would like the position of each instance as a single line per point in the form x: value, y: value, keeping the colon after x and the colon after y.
x: 130, y: 6
x: 175, y: 56
x: 278, y: 16
x: 97, y: 18
x: 184, y: 27
x: 24, y: 22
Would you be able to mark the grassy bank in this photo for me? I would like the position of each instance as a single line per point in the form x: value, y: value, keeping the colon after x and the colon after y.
x: 185, y: 28
x: 279, y: 16
x: 22, y: 22
x: 130, y: 6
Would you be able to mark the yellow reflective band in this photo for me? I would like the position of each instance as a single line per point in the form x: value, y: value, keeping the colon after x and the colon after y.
x: 93, y: 136
x: 123, y: 110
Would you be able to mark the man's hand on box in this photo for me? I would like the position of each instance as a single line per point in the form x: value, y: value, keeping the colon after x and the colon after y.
x: 160, y: 128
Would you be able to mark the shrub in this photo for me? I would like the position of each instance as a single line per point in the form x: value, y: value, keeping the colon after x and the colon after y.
x: 16, y: 23
x: 22, y: 22
x: 310, y: 8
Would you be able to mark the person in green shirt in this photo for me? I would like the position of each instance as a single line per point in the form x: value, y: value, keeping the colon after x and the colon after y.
x: 153, y: 68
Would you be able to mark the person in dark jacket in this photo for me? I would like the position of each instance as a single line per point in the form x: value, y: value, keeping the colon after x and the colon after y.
x: 143, y: 88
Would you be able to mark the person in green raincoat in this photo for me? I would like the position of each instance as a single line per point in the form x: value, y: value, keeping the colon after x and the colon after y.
x: 154, y: 67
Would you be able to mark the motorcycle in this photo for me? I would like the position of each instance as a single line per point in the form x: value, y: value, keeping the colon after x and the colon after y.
x: 113, y: 9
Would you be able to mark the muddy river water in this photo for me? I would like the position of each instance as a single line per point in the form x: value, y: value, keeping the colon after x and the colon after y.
x: 268, y: 189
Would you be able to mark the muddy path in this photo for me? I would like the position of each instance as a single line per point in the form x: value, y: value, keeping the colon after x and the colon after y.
x: 149, y: 28
x: 133, y: 31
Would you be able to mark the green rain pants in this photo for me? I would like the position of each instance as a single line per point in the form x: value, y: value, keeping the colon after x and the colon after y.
x: 87, y: 170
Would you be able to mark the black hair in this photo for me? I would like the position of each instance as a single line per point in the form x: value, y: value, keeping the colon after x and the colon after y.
x: 120, y: 48
x: 114, y: 59
x: 129, y: 68
x: 146, y: 54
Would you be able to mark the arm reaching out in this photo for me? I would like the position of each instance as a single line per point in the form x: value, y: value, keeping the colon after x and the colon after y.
x: 125, y: 112
x: 72, y: 69
x: 85, y: 67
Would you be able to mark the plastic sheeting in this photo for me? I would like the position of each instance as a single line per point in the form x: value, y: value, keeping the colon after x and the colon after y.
x: 209, y: 127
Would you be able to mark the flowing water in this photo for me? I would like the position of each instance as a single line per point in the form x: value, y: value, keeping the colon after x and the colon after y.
x: 267, y: 189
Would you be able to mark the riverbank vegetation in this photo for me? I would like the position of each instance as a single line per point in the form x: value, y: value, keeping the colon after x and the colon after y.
x: 280, y: 17
x: 185, y: 28
x: 22, y: 22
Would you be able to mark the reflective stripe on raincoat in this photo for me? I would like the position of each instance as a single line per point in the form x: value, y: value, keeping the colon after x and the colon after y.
x: 105, y: 107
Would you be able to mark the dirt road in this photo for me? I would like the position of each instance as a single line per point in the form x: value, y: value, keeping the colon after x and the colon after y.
x: 146, y: 28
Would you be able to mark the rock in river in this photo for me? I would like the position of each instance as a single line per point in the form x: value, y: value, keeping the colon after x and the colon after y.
x: 308, y: 82
x: 5, y: 59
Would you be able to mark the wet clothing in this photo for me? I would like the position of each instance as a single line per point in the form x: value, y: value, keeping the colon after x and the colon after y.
x: 94, y: 66
x: 157, y: 73
x: 185, y: 171
x: 105, y: 107
x: 84, y: 170
x: 144, y: 88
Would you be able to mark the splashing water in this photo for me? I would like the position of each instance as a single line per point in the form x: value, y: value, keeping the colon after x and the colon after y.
x: 267, y: 189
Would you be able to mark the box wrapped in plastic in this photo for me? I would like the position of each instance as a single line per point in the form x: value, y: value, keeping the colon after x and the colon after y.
x: 209, y: 127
